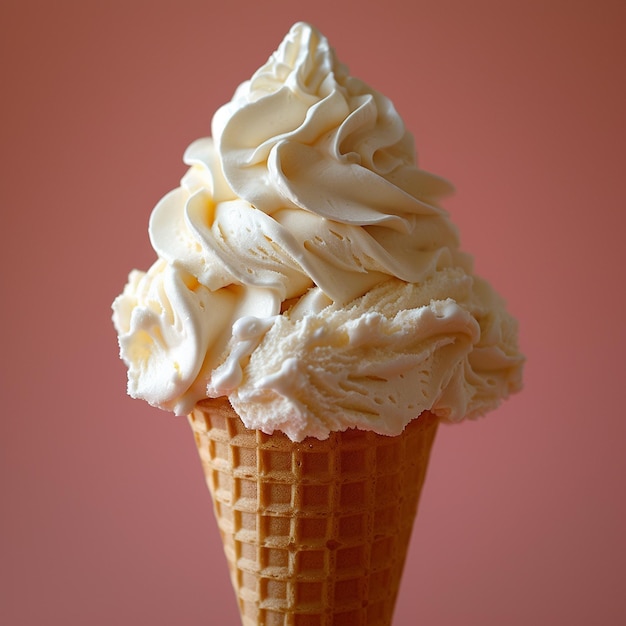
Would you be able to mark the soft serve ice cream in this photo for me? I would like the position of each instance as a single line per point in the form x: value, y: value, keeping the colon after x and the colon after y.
x: 307, y: 271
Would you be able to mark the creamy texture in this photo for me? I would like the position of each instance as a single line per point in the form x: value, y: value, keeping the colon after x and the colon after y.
x: 307, y: 271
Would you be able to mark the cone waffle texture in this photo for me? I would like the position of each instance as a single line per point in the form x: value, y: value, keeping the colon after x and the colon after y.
x: 315, y: 533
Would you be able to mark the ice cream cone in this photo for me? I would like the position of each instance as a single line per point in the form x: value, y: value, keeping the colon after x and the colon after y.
x: 315, y: 533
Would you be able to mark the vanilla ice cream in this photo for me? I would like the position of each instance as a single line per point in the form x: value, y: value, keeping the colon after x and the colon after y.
x: 307, y: 271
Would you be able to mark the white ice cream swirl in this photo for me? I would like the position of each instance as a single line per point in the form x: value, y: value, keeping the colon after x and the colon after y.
x: 307, y: 195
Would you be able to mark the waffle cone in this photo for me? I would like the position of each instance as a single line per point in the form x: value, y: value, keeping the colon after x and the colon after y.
x: 315, y: 533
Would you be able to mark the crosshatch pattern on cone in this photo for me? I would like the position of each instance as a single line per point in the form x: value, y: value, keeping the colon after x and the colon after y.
x: 315, y: 533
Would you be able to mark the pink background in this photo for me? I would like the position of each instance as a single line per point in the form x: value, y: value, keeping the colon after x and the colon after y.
x: 104, y: 514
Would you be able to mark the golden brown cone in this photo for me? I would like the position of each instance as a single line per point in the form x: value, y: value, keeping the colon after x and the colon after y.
x: 315, y: 533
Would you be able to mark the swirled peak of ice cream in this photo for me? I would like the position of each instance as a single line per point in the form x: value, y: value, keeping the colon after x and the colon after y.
x: 307, y: 271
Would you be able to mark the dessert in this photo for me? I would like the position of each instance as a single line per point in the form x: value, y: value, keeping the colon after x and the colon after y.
x: 313, y: 315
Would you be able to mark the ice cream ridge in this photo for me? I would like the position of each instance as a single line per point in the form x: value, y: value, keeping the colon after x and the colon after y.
x: 312, y: 312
